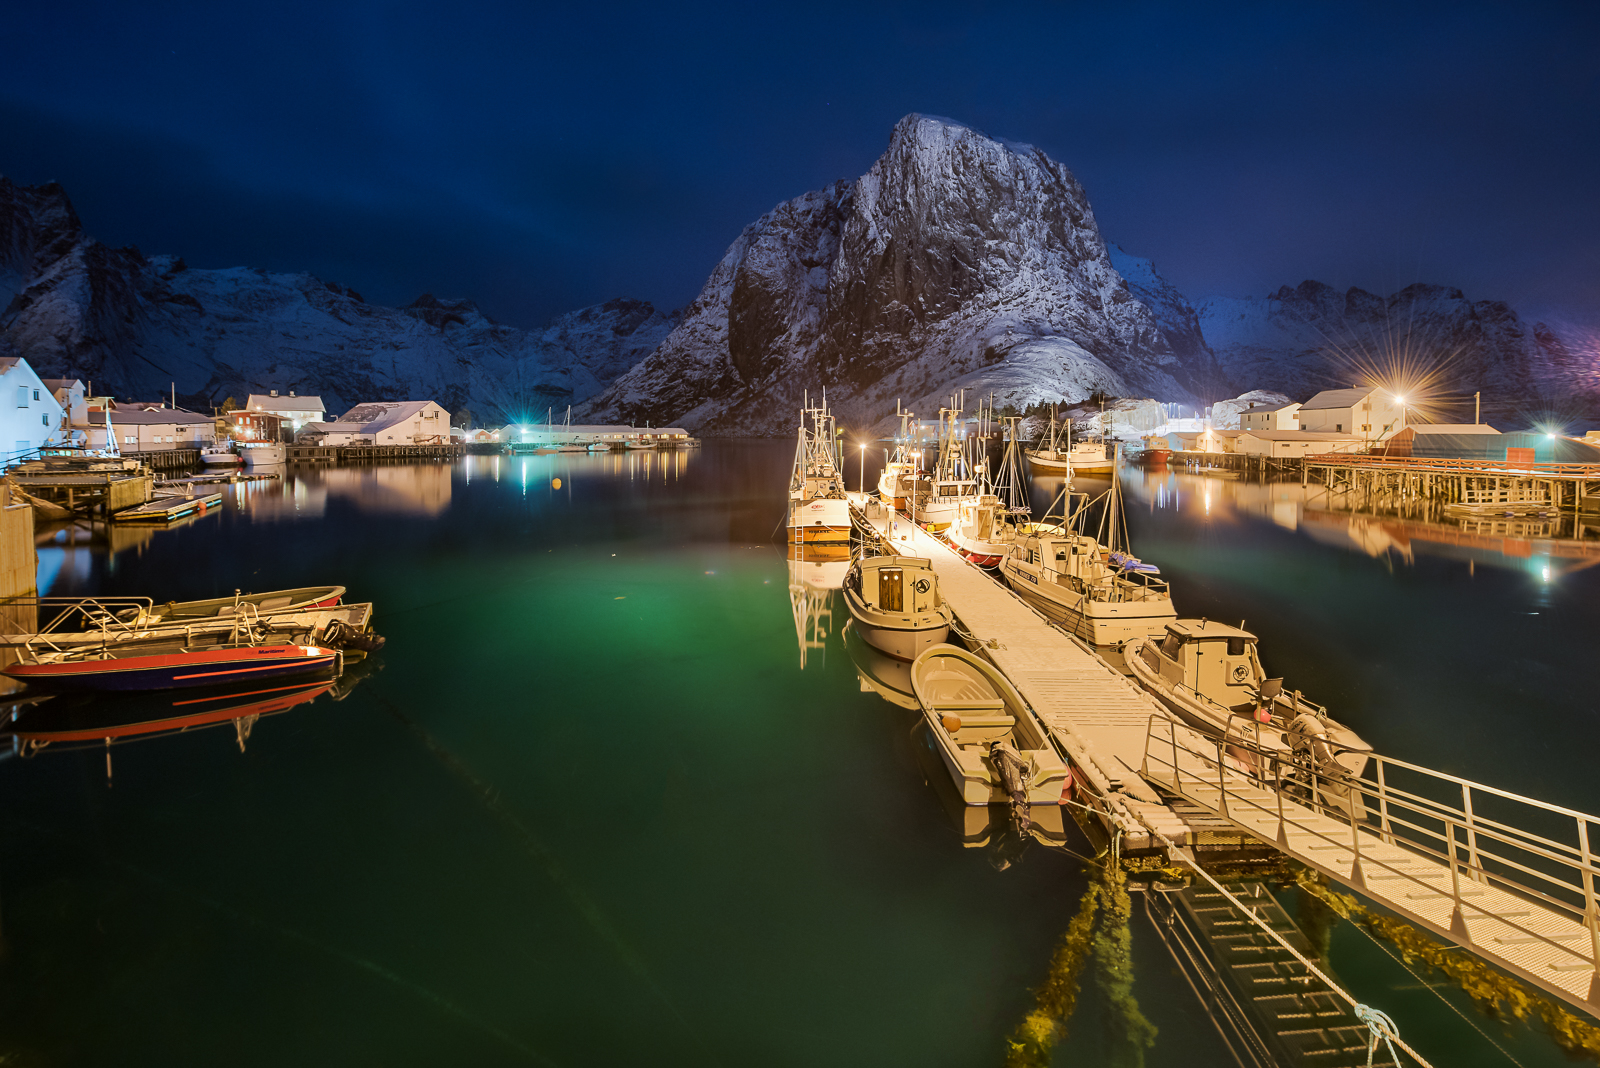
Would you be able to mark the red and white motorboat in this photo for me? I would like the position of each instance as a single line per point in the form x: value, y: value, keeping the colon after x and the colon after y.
x: 165, y: 665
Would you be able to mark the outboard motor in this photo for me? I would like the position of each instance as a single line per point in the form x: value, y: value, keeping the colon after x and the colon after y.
x: 341, y: 635
x: 1308, y: 737
x: 1014, y: 776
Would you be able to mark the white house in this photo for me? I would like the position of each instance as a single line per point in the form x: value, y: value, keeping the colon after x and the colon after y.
x: 1371, y: 414
x: 1296, y: 443
x: 1208, y: 439
x: 295, y: 412
x: 1271, y: 417
x: 30, y: 415
x: 71, y: 395
x: 152, y: 428
x: 401, y: 422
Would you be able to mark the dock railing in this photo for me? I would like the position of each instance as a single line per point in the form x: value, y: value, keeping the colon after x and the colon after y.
x: 1454, y: 466
x: 1480, y: 835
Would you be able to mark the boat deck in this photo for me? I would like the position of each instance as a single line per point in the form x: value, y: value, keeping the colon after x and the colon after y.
x: 167, y: 507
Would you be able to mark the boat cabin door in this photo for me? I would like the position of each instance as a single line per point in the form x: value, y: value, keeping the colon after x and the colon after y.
x: 891, y: 589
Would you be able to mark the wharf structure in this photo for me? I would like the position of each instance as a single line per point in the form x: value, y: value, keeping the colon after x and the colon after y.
x: 1510, y: 879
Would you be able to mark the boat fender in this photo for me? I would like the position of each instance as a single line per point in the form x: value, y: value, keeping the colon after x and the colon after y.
x: 951, y: 722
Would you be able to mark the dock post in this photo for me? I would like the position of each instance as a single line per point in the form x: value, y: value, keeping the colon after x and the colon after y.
x: 1472, y: 833
x: 1591, y: 913
x: 1222, y: 780
x: 1357, y: 877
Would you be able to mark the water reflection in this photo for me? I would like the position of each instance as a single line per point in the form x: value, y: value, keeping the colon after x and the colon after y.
x: 1545, y: 546
x: 814, y: 574
x: 70, y: 722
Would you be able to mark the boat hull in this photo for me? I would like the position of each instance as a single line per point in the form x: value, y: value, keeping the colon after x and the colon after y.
x: 822, y: 519
x: 982, y: 553
x: 218, y: 460
x: 903, y: 641
x: 264, y: 455
x: 1101, y: 624
x: 1047, y: 464
x: 169, y: 671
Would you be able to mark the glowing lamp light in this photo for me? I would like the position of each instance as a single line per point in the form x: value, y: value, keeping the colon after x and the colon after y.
x: 1552, y: 437
x: 1399, y: 400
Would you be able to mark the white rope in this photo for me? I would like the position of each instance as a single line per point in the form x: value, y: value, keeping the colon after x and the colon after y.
x: 1364, y: 1013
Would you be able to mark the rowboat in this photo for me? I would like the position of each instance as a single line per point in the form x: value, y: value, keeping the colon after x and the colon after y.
x: 149, y: 666
x: 895, y: 604
x: 263, y: 604
x: 989, y: 740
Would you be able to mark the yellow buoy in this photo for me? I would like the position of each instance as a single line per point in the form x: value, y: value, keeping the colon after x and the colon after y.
x: 555, y: 483
x: 952, y: 723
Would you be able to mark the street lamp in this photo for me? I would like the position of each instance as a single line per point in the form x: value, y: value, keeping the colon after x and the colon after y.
x: 1402, y: 402
x: 863, y: 469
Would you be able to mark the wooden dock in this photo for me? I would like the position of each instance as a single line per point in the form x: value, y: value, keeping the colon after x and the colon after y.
x: 1452, y: 857
x: 166, y: 507
x: 369, y: 454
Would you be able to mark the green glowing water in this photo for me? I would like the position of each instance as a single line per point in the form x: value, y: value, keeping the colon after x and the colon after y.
x: 587, y: 808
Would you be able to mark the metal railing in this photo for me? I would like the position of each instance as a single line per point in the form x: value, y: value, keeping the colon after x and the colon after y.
x: 1455, y: 466
x: 1480, y: 835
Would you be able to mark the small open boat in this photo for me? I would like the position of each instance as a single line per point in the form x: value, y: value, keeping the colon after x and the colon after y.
x: 994, y: 747
x: 169, y: 665
x: 263, y: 604
x: 895, y: 603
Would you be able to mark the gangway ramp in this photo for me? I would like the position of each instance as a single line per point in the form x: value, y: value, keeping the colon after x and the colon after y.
x: 1516, y: 888
x: 1097, y: 717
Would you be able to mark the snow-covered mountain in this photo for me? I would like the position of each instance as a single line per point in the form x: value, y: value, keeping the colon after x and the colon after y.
x: 133, y: 324
x: 1314, y: 337
x: 957, y: 261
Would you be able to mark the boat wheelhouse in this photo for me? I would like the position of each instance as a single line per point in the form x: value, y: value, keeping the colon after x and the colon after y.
x: 895, y: 605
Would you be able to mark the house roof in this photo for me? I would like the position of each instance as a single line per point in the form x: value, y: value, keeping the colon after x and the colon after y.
x: 1452, y: 428
x: 1258, y: 409
x: 267, y: 403
x: 1337, y: 398
x: 381, y: 415
x: 1299, y: 435
x: 155, y: 417
x: 62, y: 383
x: 338, y: 427
x: 8, y: 362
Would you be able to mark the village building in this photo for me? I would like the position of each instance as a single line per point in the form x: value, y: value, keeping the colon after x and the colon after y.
x: 1206, y: 439
x: 72, y: 396
x: 382, y: 423
x: 1371, y: 414
x: 1271, y: 416
x: 139, y: 428
x: 1281, y: 444
x: 295, y: 411
x: 32, y: 417
x: 242, y: 424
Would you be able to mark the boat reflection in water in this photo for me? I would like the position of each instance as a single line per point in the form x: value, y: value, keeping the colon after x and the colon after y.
x: 815, y: 572
x: 83, y: 721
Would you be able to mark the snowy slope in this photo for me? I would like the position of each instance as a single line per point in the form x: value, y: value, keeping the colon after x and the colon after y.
x: 133, y: 324
x: 957, y: 261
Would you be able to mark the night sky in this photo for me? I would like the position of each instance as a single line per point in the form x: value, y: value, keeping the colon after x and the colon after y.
x: 537, y: 160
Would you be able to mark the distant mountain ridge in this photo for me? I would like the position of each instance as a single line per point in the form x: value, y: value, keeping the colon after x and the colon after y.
x: 133, y: 324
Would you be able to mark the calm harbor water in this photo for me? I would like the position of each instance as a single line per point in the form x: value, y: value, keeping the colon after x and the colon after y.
x: 588, y: 808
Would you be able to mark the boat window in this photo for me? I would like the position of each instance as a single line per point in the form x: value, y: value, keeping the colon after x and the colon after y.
x: 1170, y: 646
x: 891, y: 589
x: 1236, y: 646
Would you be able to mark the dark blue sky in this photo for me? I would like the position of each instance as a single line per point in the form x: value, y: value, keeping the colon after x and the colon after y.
x: 538, y: 160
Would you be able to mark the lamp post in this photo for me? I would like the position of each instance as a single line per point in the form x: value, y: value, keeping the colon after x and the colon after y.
x: 863, y: 469
x: 1402, y: 402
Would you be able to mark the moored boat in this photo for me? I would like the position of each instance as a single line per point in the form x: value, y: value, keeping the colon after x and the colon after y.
x: 262, y: 453
x: 989, y: 740
x: 1157, y: 451
x: 1210, y: 676
x: 818, y: 508
x: 895, y: 604
x: 268, y: 603
x: 220, y: 454
x: 169, y: 665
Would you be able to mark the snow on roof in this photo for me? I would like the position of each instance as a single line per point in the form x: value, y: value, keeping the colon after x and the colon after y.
x: 380, y: 415
x: 1337, y: 398
x: 337, y: 428
x: 267, y: 403
x: 62, y: 383
x: 1453, y: 428
x: 1260, y: 408
x: 1299, y: 435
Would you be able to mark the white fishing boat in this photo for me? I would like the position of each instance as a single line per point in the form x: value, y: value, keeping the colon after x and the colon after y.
x: 953, y: 482
x: 895, y: 604
x: 985, y: 525
x: 818, y: 508
x: 220, y: 454
x: 897, y: 483
x: 989, y: 740
x: 1089, y: 585
x: 262, y: 453
x: 1210, y: 676
x: 1048, y: 457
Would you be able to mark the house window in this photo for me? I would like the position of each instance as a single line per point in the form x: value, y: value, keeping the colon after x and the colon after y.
x: 45, y: 418
x: 35, y: 394
x: 22, y: 396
